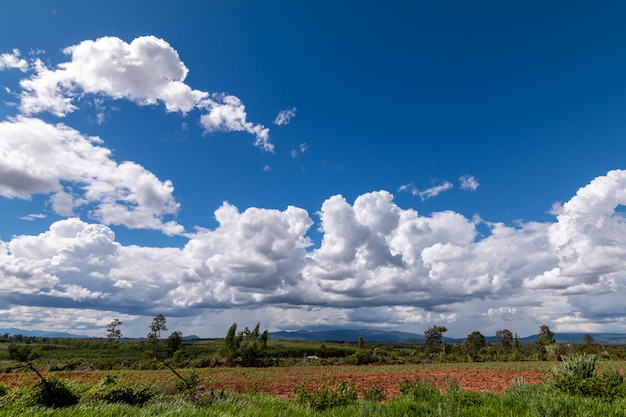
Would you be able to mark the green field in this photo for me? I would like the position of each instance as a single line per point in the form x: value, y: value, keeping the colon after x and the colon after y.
x: 94, y: 377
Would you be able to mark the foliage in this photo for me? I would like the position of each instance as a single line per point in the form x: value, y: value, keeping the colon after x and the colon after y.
x: 505, y: 336
x: 326, y: 396
x: 247, y: 347
x: 545, y: 338
x: 419, y: 389
x: 26, y: 355
x: 3, y: 390
x: 111, y: 391
x: 577, y: 375
x: 189, y: 384
x: 157, y: 326
x: 53, y: 393
x: 114, y: 334
x: 434, y: 337
x: 375, y: 393
x: 474, y: 343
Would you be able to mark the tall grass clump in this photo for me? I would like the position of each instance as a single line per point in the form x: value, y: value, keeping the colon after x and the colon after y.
x: 578, y: 375
x: 111, y: 391
x: 326, y: 396
x: 51, y: 393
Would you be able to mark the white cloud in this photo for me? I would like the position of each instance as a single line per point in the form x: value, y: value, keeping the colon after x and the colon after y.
x: 468, y: 182
x: 428, y: 193
x: 147, y: 71
x: 285, y: 116
x: 374, y: 257
x: 227, y: 113
x: 13, y: 60
x: 39, y: 158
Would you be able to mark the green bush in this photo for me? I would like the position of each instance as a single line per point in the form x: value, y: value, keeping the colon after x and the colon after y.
x: 109, y: 390
x: 375, y: 393
x: 419, y: 389
x: 577, y: 375
x: 54, y: 393
x: 3, y: 390
x: 327, y: 396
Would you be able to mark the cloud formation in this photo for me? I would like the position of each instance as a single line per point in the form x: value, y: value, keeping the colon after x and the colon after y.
x: 284, y: 116
x: 376, y: 263
x: 40, y: 158
x: 146, y: 71
x: 427, y: 193
x: 373, y: 255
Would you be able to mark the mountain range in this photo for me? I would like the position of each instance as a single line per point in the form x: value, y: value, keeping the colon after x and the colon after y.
x: 368, y: 335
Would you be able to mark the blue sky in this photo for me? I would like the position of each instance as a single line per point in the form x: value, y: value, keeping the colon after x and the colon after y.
x: 313, y: 165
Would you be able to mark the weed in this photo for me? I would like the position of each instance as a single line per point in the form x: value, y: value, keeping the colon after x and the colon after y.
x: 109, y: 390
x: 577, y: 375
x: 327, y: 396
x: 419, y: 389
x: 375, y: 393
x: 53, y: 393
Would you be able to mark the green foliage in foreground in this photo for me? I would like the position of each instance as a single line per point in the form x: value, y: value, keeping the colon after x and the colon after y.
x: 520, y: 400
x: 576, y: 388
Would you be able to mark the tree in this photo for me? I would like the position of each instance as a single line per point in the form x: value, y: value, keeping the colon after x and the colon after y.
x: 474, y: 343
x: 114, y: 334
x: 545, y: 338
x: 26, y: 355
x: 174, y: 343
x: 505, y: 337
x: 434, y: 337
x: 246, y: 347
x: 588, y: 339
x: 157, y: 326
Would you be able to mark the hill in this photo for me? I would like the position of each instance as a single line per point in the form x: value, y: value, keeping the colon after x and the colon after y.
x: 382, y: 336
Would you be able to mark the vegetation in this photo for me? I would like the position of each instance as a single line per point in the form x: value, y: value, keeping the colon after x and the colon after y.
x: 586, y: 380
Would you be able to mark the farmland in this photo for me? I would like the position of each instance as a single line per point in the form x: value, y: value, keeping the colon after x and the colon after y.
x: 308, y: 379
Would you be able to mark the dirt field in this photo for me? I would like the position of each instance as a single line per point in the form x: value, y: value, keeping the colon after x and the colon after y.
x: 281, y: 382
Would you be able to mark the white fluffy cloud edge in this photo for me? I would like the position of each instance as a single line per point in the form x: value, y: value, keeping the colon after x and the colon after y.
x: 378, y: 265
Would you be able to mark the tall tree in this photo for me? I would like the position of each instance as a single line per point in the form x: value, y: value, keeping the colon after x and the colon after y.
x: 114, y: 334
x: 25, y: 354
x: 156, y: 327
x: 474, y: 343
x: 434, y: 337
x: 505, y: 337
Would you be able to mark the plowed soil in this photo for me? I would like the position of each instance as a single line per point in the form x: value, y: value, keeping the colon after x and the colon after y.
x: 281, y: 382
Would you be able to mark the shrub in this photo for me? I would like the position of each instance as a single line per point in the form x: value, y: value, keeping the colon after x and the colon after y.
x: 109, y: 390
x: 3, y: 390
x: 419, y: 389
x: 190, y: 384
x: 54, y: 393
x: 577, y: 376
x: 327, y: 396
x: 374, y: 393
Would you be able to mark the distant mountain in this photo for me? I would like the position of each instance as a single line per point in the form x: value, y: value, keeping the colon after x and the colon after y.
x: 42, y: 333
x: 368, y: 335
x: 382, y: 336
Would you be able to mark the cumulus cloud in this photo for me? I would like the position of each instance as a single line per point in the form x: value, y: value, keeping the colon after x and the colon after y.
x: 375, y: 258
x: 227, y: 113
x: 146, y: 71
x: 40, y: 158
x: 13, y: 60
x: 285, y: 116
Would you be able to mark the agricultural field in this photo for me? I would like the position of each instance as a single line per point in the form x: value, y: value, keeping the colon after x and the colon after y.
x: 89, y: 377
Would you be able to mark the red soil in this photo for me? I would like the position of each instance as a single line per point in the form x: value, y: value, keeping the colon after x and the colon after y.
x: 281, y: 382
